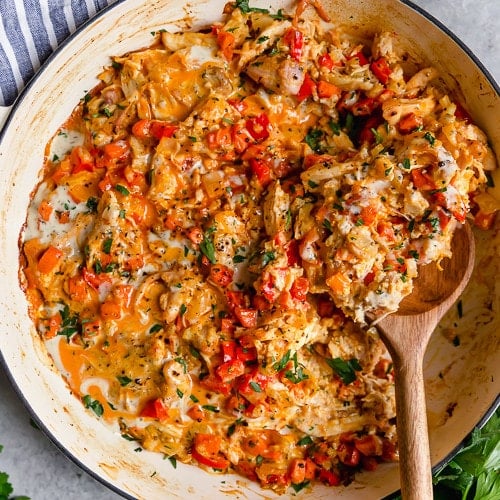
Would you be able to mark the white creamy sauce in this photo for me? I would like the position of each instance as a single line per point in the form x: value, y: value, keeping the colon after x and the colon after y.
x: 64, y: 142
x: 99, y: 382
x: 52, y: 346
x: 197, y: 55
x: 48, y: 231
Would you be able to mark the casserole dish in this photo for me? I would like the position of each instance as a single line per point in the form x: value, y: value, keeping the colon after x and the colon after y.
x: 453, y: 374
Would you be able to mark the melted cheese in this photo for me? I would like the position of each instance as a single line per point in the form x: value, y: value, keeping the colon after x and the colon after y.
x: 209, y: 236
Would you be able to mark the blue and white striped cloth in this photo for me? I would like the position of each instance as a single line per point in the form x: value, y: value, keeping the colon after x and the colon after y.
x: 30, y: 30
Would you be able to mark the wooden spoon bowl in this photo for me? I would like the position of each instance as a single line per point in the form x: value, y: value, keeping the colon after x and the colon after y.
x: 406, y: 334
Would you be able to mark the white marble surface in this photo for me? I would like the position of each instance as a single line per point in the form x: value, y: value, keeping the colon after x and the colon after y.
x: 35, y: 466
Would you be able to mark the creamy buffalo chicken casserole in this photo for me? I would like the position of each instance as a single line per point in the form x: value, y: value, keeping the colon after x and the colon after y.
x: 217, y: 218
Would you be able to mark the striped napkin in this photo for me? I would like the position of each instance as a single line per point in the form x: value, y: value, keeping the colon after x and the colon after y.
x: 30, y: 30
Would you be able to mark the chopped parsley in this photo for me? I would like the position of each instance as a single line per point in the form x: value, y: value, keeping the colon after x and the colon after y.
x: 268, y: 257
x: 70, y: 324
x: 92, y: 204
x: 246, y: 9
x: 296, y: 374
x: 93, y: 404
x: 122, y: 189
x: 429, y: 138
x: 106, y: 245
x: 124, y: 380
x: 313, y: 139
x: 346, y: 370
x: 207, y: 246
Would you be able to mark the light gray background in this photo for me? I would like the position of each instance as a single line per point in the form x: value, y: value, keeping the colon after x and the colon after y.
x: 35, y: 466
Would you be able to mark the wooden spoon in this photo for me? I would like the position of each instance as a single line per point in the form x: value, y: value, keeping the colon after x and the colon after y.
x: 406, y: 334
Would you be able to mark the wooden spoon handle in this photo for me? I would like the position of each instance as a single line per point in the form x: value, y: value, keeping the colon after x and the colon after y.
x: 413, y: 441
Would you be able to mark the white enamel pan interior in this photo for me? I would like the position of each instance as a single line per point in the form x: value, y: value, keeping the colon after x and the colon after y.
x: 457, y: 401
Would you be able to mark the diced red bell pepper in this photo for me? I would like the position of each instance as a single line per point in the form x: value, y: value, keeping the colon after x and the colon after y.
x: 81, y: 160
x: 154, y: 408
x: 145, y: 128
x: 206, y: 450
x: 214, y: 383
x: 364, y: 106
x: 238, y: 104
x: 95, y: 280
x: 360, y: 57
x: 236, y: 299
x: 295, y: 40
x: 228, y: 348
x: 306, y: 89
x: 292, y: 253
x: 327, y: 90
x: 366, y: 134
x: 348, y: 454
x: 227, y: 325
x: 368, y: 214
x: 444, y: 218
x: 369, y: 278
x: 230, y: 370
x: 381, y: 69
x: 325, y: 61
x: 247, y: 317
x: 221, y: 275
x: 328, y: 477
x: 252, y: 383
x: 299, y: 289
x: 258, y: 127
x: 226, y: 43
x: 261, y: 170
x: 422, y: 179
x: 409, y: 123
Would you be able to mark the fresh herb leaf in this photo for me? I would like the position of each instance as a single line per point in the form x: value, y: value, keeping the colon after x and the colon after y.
x: 211, y: 408
x: 300, y: 486
x: 327, y: 225
x: 335, y: 127
x: 313, y: 139
x: 92, y: 204
x: 473, y: 472
x: 406, y: 164
x: 378, y: 138
x: 281, y: 364
x: 279, y: 15
x: 93, y: 404
x: 106, y: 245
x: 255, y: 386
x: 296, y: 375
x: 268, y: 257
x: 70, y: 324
x: 122, y: 189
x: 124, y: 380
x: 207, y: 247
x: 155, y: 328
x: 429, y: 138
x: 346, y: 370
x: 305, y: 441
x: 246, y: 9
x: 5, y: 487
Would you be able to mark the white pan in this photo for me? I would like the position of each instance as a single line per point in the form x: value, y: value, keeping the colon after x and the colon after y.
x: 463, y: 381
